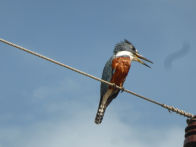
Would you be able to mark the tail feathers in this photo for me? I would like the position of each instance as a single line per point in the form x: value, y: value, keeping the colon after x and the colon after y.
x: 100, y: 114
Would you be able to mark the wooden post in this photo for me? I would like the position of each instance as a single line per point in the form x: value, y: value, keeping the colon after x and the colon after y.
x: 190, y: 133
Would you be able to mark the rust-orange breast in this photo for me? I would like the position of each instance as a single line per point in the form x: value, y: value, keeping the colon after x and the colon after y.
x: 121, y: 66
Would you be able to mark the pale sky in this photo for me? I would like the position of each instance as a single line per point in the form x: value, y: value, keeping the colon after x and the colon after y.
x: 42, y: 104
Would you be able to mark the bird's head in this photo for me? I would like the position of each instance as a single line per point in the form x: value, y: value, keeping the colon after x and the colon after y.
x: 126, y: 48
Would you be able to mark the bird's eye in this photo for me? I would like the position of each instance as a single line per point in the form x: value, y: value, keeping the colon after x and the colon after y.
x: 133, y: 49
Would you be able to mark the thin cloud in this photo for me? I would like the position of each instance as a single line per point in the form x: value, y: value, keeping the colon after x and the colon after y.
x: 176, y: 55
x: 80, y: 132
x: 71, y: 123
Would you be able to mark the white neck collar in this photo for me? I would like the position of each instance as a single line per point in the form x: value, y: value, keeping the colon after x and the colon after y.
x: 124, y: 53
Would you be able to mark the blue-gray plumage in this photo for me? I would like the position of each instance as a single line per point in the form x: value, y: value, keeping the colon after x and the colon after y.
x: 115, y: 71
x: 107, y: 76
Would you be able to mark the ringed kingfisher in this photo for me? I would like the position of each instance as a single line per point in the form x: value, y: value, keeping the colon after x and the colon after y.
x: 115, y: 71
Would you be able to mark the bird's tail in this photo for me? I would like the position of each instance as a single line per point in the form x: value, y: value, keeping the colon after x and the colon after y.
x: 100, y: 114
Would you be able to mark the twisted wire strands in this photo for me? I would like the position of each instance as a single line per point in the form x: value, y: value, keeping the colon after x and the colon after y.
x: 169, y: 108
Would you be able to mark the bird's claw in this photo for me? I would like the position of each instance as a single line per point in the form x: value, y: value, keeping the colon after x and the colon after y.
x: 122, y: 89
x: 114, y: 85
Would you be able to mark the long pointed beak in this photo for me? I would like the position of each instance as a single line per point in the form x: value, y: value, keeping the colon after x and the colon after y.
x: 138, y: 57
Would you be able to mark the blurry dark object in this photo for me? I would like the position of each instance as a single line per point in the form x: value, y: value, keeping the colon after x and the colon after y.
x: 190, y: 133
x: 176, y: 55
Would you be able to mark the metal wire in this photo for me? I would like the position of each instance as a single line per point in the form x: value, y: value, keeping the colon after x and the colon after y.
x: 169, y: 108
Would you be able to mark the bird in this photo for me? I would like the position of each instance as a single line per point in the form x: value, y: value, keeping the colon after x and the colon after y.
x: 115, y: 71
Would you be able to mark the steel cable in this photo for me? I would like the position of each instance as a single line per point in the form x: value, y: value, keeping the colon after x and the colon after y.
x: 169, y: 108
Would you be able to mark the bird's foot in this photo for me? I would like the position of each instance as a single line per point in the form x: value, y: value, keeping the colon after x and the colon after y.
x: 122, y: 89
x: 114, y: 85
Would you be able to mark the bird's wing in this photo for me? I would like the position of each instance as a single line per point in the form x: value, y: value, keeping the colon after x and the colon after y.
x: 107, y: 95
x: 107, y: 75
